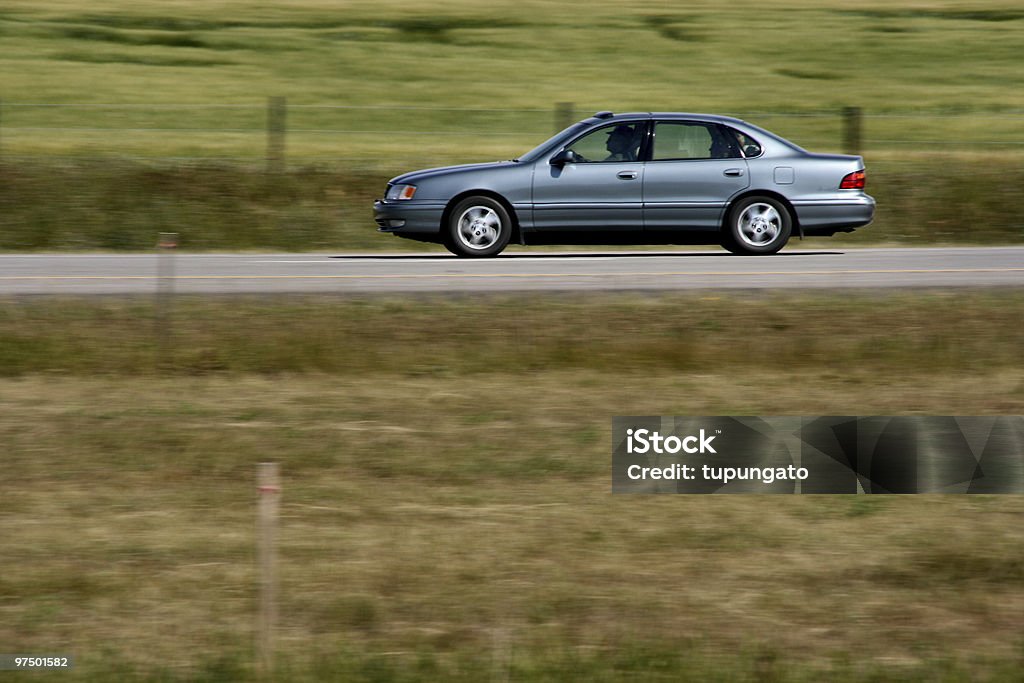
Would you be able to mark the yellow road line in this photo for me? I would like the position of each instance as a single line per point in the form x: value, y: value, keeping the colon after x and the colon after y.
x: 408, y: 276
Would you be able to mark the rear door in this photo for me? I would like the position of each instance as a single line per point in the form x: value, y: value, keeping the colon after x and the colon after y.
x: 601, y: 191
x: 695, y: 168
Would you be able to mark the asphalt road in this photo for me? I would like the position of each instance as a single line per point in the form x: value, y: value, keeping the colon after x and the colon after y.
x: 610, y: 270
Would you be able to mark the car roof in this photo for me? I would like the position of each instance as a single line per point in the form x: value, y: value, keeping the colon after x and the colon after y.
x: 608, y: 117
x: 763, y: 136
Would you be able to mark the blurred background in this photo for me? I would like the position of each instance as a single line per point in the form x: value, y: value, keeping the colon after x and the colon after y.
x: 445, y: 512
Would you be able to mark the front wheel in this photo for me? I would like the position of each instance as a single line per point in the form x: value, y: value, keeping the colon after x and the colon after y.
x: 757, y: 225
x: 477, y: 227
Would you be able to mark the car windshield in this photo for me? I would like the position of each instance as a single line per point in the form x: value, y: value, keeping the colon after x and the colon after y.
x: 552, y: 141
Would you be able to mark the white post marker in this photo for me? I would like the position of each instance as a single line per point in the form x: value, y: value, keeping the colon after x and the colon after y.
x: 269, y: 487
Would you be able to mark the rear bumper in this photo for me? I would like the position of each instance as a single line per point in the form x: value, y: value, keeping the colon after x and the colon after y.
x: 827, y: 216
x: 408, y: 216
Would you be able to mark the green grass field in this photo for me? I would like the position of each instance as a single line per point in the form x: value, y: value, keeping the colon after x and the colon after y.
x: 106, y: 108
x: 951, y: 66
x: 446, y: 512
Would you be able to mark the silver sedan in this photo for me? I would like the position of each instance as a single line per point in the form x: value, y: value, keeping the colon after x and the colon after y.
x: 654, y: 178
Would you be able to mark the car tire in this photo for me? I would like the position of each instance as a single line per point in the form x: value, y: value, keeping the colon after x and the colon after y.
x: 757, y: 225
x: 477, y: 227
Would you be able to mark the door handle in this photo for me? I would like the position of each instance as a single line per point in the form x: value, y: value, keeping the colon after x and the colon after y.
x: 627, y: 175
x: 733, y: 172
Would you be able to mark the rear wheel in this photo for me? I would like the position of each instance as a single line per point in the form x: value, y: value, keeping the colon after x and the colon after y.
x: 478, y: 227
x: 757, y: 225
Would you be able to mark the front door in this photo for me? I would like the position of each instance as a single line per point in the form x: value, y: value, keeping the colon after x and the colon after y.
x: 601, y: 190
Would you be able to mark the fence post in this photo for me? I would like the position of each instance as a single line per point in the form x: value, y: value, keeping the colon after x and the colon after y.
x: 564, y: 115
x: 269, y: 487
x: 852, y: 123
x: 277, y: 112
x: 166, y: 246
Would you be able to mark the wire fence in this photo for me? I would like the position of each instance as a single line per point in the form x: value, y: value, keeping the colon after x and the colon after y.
x: 278, y: 133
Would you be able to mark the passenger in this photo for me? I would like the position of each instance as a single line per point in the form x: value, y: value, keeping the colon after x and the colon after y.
x: 722, y: 146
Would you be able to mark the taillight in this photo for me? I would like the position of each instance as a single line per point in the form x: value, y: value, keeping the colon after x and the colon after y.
x: 853, y: 181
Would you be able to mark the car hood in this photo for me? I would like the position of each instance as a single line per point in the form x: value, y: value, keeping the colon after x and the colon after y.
x: 417, y: 176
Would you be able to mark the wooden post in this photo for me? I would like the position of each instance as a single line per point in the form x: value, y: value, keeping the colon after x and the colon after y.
x: 166, y: 246
x: 852, y: 121
x: 277, y: 114
x: 269, y: 487
x: 564, y: 115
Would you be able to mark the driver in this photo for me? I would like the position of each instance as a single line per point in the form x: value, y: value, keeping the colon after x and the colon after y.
x: 620, y: 144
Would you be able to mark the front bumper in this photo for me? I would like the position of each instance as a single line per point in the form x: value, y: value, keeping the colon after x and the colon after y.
x: 408, y: 216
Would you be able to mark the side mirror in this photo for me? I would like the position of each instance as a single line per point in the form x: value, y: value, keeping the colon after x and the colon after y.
x: 566, y: 156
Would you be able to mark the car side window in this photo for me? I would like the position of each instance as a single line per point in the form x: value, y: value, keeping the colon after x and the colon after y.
x: 617, y: 142
x: 679, y: 140
x: 751, y: 147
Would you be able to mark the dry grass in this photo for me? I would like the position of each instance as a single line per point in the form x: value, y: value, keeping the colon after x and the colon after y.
x: 447, y: 510
x: 447, y: 516
x: 852, y: 337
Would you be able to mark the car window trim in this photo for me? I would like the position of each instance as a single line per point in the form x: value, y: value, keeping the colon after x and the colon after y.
x: 658, y: 161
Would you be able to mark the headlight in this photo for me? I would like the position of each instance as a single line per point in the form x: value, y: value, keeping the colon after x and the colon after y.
x: 401, y: 191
